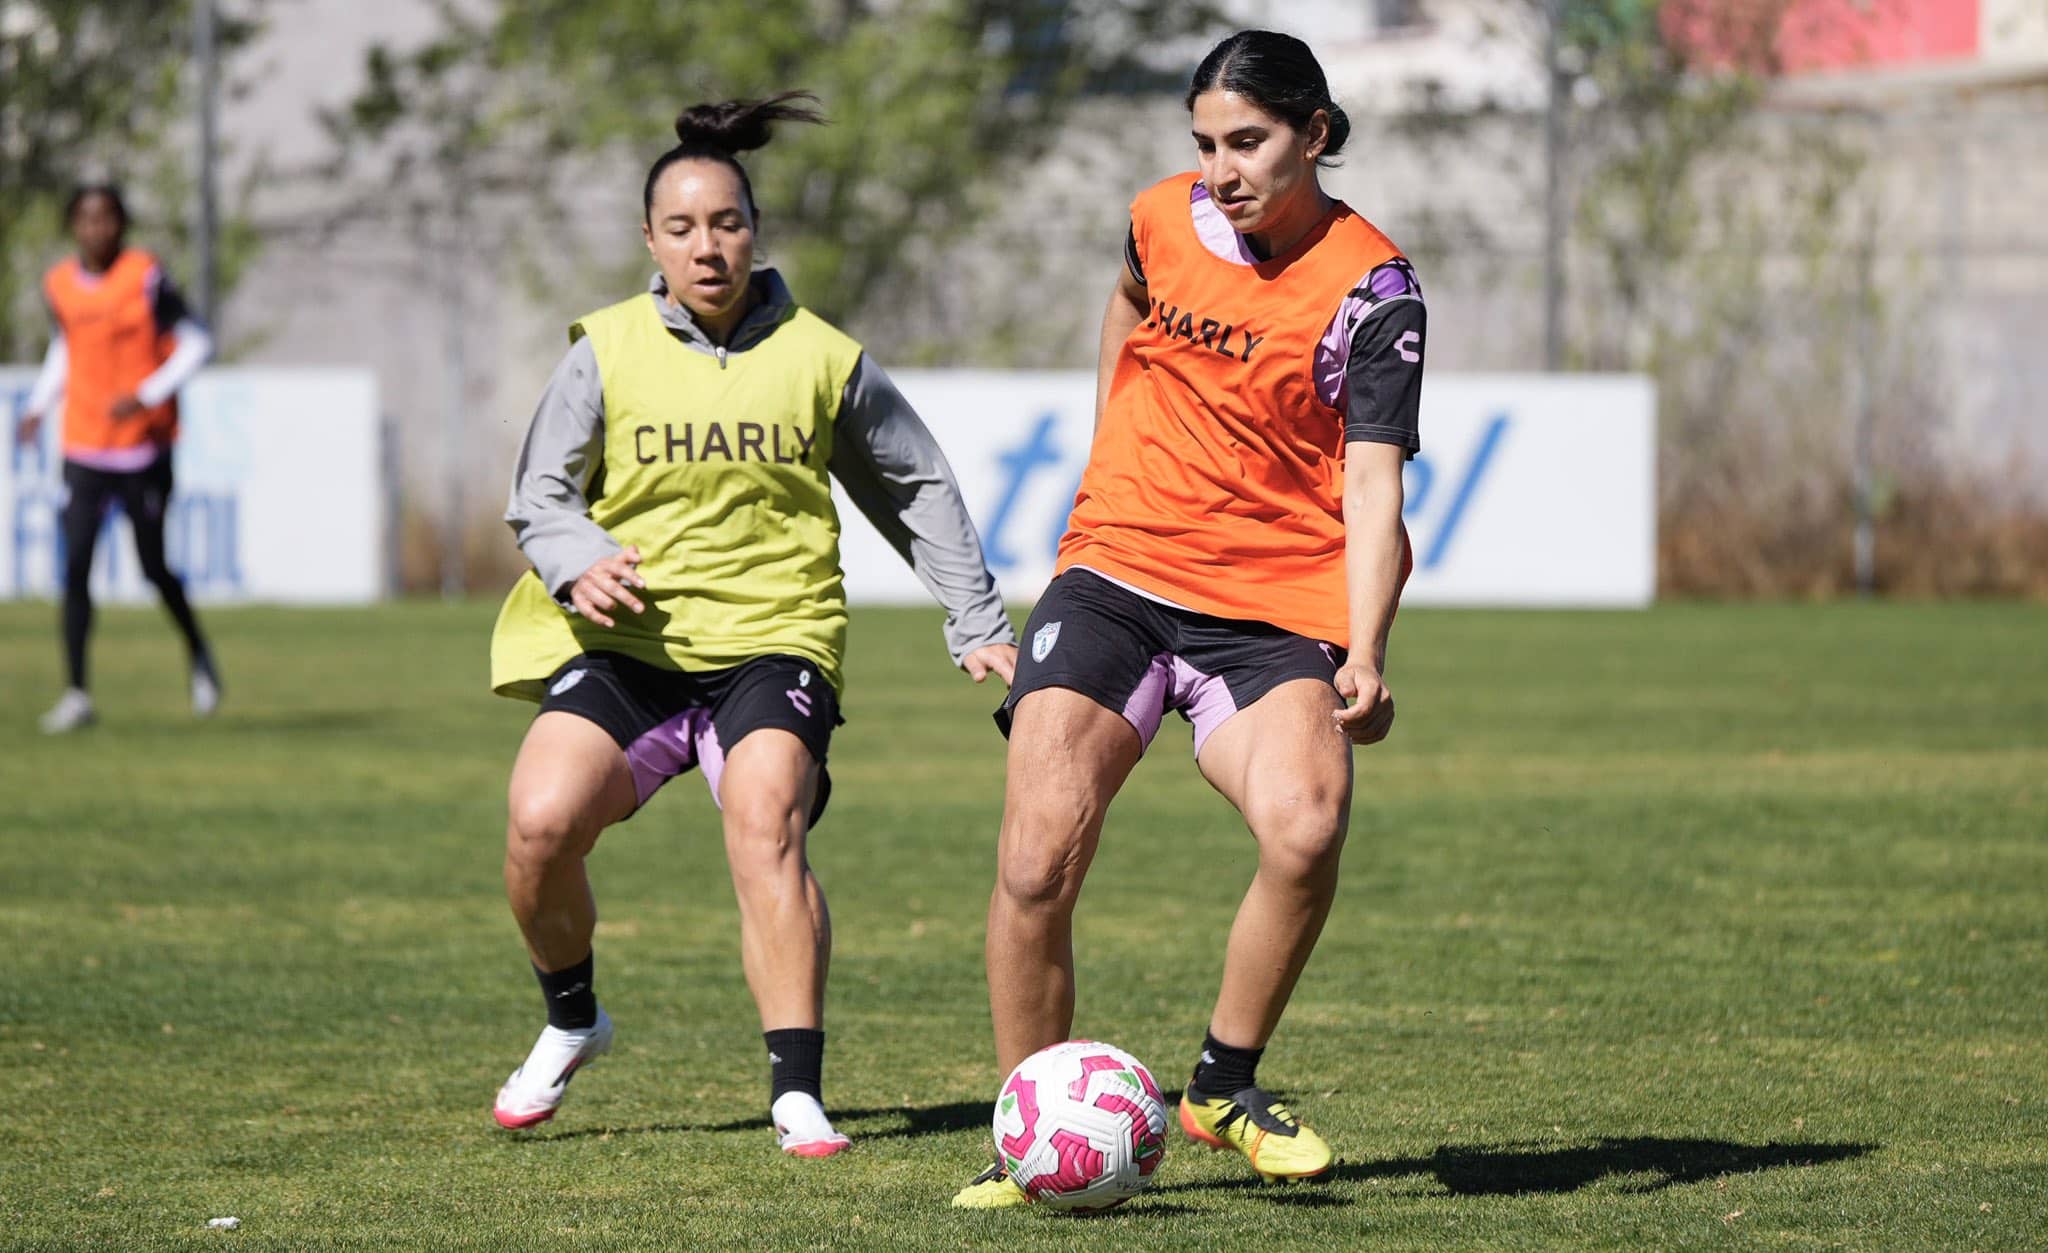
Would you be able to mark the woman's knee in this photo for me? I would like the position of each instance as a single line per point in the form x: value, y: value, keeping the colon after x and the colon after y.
x: 1300, y: 829
x: 1068, y: 757
x: 570, y: 782
x: 548, y: 826
x: 1043, y: 859
x: 764, y: 831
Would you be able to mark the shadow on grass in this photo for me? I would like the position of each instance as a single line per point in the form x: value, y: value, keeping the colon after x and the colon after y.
x: 1508, y: 1169
x: 1140, y: 1209
x: 896, y: 1121
x: 1522, y: 1168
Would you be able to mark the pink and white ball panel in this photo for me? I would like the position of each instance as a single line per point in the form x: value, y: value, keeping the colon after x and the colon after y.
x: 1081, y: 1126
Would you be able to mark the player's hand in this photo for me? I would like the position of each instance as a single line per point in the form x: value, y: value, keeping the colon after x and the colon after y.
x: 1370, y: 715
x: 603, y: 587
x: 126, y: 406
x: 28, y: 428
x: 999, y: 660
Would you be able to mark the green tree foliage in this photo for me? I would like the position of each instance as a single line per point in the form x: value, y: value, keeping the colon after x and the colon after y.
x: 931, y: 100
x: 1727, y: 247
x: 88, y: 89
x: 1722, y: 244
x: 1672, y: 89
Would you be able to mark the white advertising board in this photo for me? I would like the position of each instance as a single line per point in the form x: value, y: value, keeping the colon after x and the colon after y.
x: 280, y: 494
x: 1530, y: 489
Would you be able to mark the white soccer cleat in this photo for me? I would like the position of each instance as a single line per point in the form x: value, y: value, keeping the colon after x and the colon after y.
x: 205, y: 694
x: 802, y: 1129
x: 535, y: 1090
x: 72, y: 711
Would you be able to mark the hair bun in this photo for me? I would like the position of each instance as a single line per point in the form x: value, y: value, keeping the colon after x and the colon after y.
x: 743, y: 125
x: 1340, y: 129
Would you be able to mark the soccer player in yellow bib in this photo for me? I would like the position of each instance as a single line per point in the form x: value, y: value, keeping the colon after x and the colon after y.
x: 685, y: 607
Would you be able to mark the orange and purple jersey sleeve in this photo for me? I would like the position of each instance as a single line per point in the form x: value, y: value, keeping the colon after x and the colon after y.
x: 1369, y: 364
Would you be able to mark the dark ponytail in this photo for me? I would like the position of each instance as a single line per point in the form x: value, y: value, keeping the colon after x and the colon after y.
x: 716, y: 132
x: 1279, y: 74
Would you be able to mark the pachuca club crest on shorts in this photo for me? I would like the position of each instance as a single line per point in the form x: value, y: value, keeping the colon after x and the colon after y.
x: 1042, y: 642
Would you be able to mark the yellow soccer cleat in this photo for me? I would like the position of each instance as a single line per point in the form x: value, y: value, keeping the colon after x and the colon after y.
x: 991, y: 1189
x: 1255, y: 1123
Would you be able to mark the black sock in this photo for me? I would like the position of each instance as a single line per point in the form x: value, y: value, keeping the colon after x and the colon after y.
x: 1223, y: 1070
x: 77, y: 627
x: 572, y: 1005
x: 796, y: 1062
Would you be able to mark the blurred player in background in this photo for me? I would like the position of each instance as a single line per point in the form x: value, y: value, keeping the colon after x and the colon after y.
x: 1235, y: 553
x: 125, y: 343
x: 685, y: 607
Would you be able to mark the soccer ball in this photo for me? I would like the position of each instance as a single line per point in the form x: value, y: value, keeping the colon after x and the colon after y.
x: 1081, y: 1126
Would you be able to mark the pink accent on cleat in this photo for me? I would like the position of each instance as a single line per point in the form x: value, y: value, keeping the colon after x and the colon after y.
x: 519, y: 1122
x: 818, y: 1148
x: 801, y: 1128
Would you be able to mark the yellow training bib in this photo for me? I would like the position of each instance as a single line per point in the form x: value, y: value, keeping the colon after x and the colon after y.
x: 717, y: 472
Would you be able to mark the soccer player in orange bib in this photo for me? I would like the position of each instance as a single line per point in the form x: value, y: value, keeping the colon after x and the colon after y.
x: 1235, y: 554
x: 125, y: 344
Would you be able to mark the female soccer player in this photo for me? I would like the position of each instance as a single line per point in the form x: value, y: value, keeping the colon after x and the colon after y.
x: 1235, y: 553
x: 685, y: 607
x: 125, y: 344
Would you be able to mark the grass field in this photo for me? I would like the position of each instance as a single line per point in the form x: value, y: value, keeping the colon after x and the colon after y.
x: 1706, y: 926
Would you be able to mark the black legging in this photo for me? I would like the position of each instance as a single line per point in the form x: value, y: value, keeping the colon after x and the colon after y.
x: 144, y: 496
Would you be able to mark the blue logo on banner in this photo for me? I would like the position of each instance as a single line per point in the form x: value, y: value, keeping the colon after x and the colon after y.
x: 1018, y: 465
x: 1419, y: 486
x: 1423, y: 480
x: 202, y: 532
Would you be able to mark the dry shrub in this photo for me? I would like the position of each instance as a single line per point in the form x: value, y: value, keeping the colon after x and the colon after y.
x: 1757, y: 497
x: 1769, y: 336
x: 490, y: 560
x: 1943, y: 533
x: 1950, y: 538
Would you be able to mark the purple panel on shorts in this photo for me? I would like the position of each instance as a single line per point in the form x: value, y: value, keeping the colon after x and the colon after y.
x: 1204, y: 698
x: 1171, y: 683
x: 1147, y: 704
x: 711, y: 756
x: 666, y: 751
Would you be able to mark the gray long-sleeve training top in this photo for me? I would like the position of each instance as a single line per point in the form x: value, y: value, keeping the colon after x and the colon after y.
x: 882, y: 455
